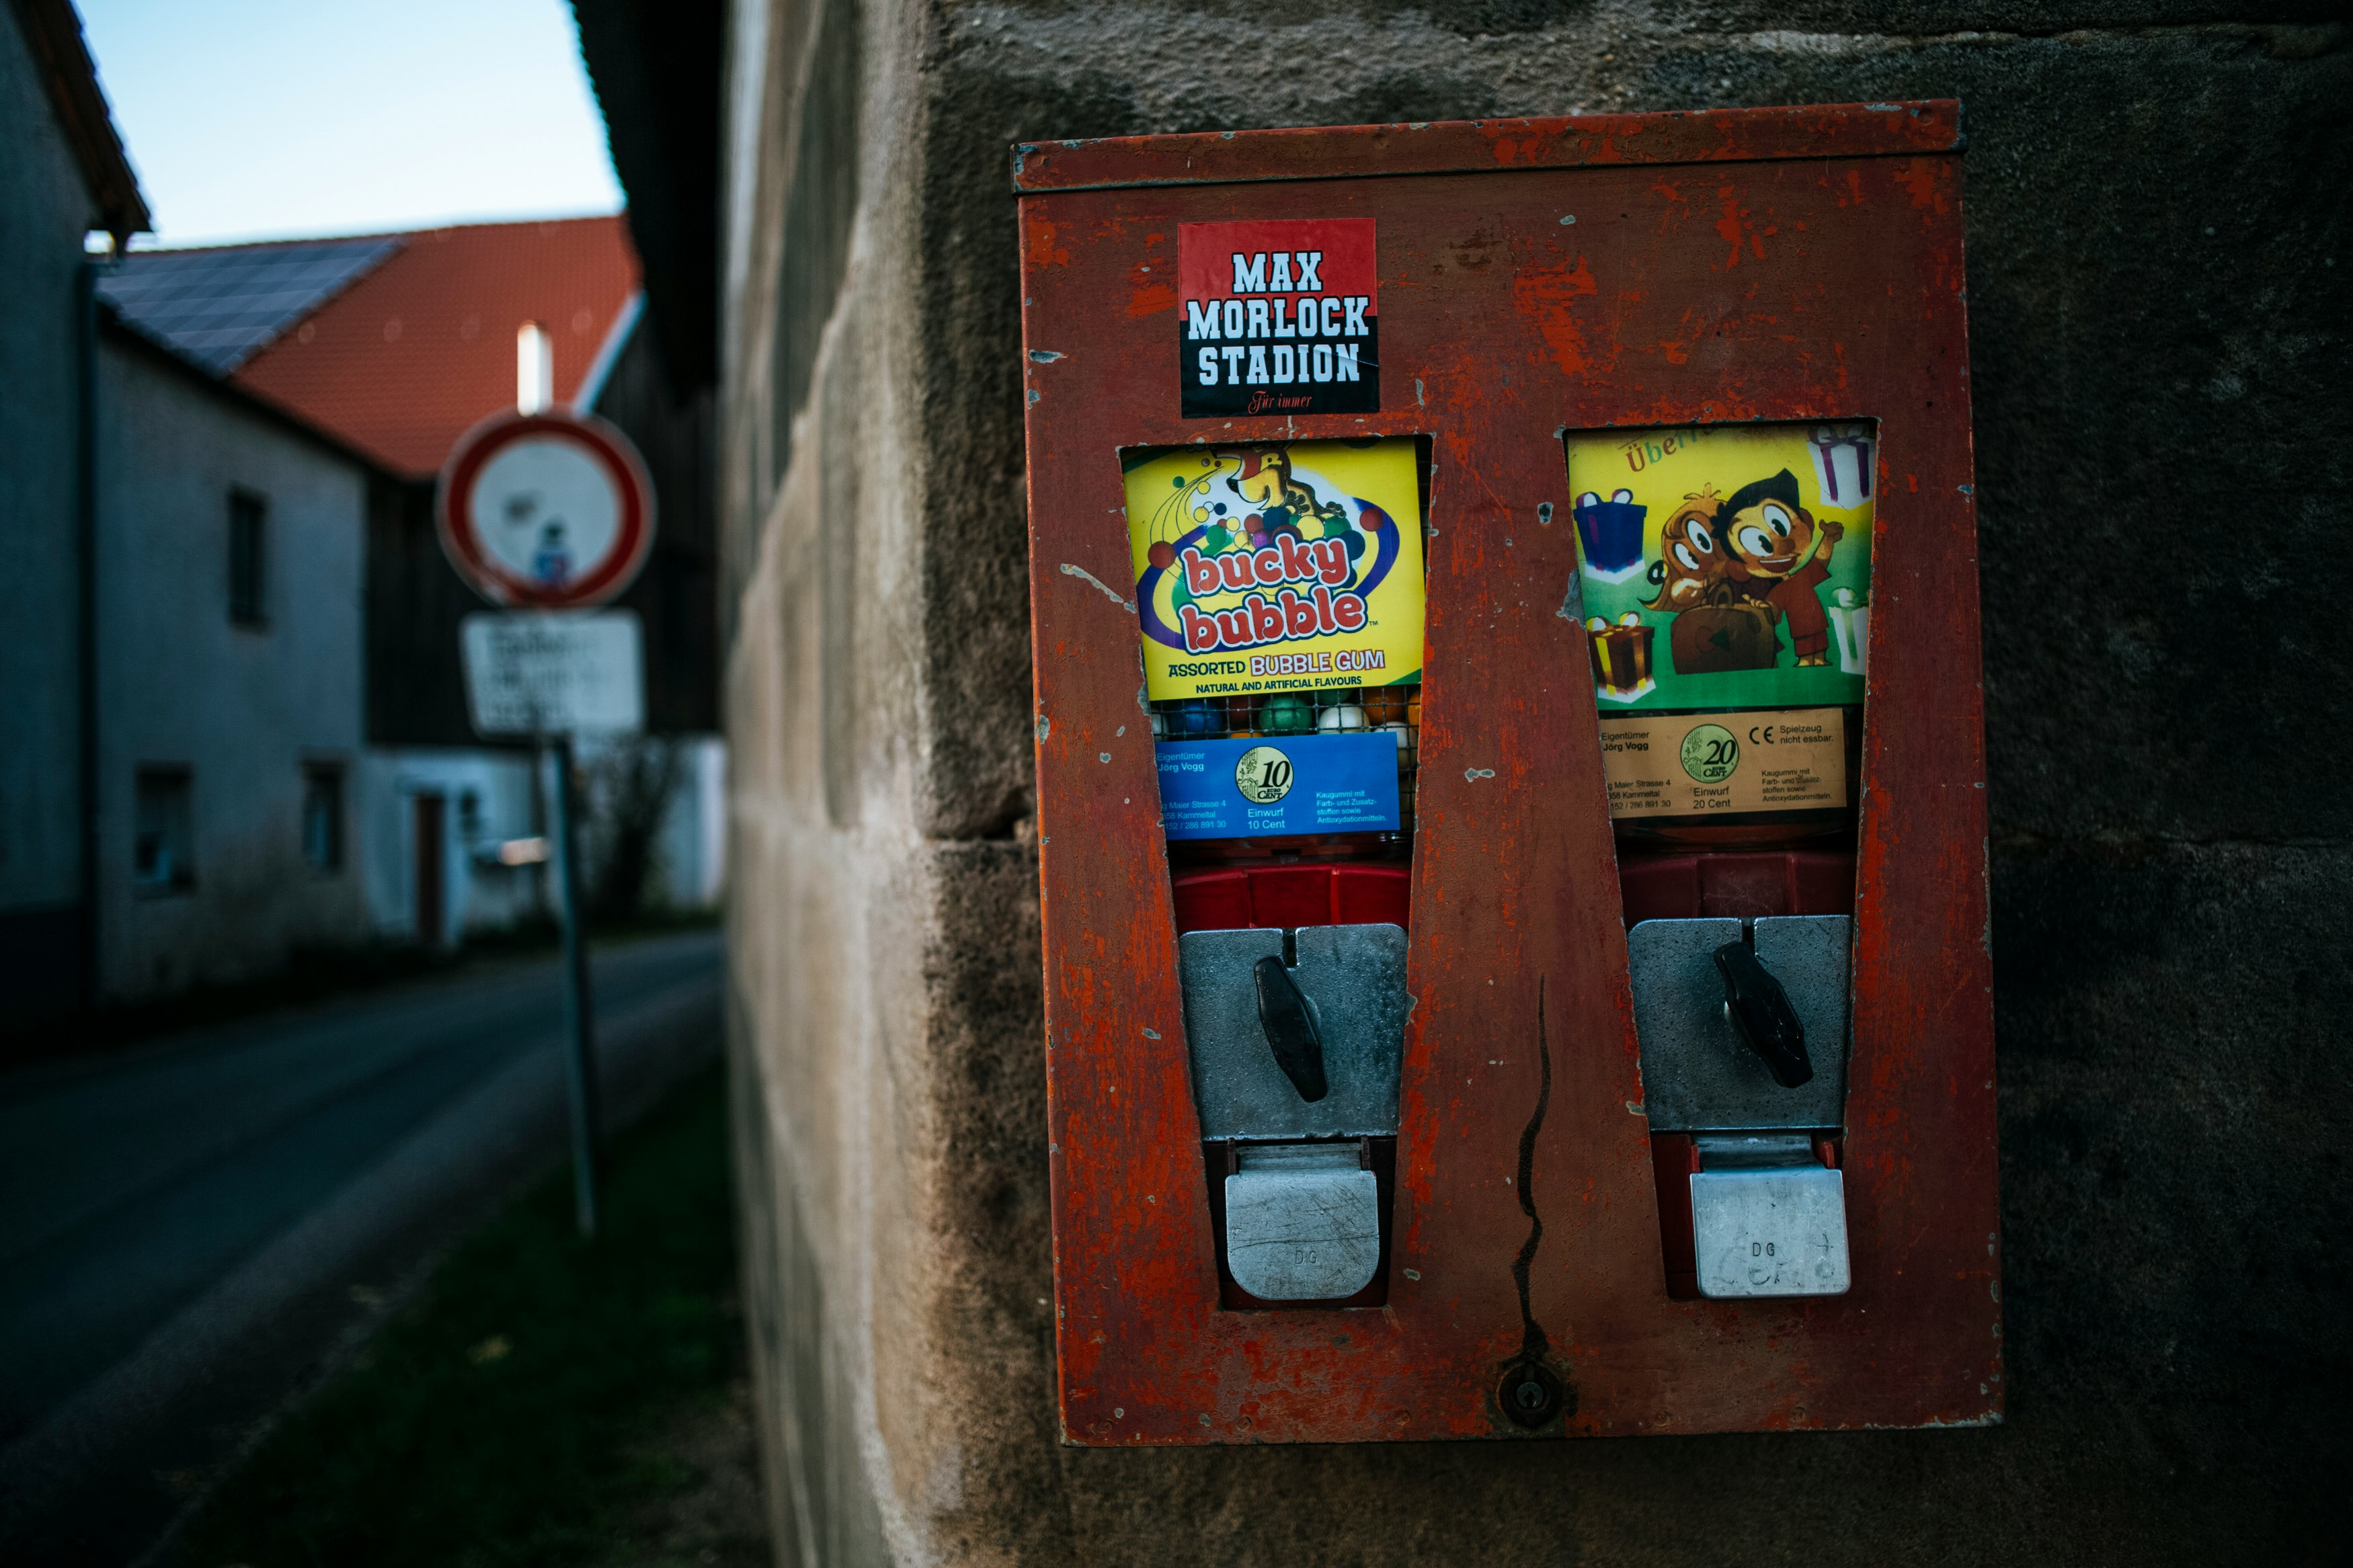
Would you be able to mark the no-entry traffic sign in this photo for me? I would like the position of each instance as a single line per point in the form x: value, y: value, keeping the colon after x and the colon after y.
x: 548, y: 511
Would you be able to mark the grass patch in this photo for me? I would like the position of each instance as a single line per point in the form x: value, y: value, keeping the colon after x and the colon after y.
x: 526, y: 1408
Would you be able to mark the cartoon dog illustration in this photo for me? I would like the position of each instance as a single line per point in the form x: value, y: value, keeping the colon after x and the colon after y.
x: 1767, y: 541
x: 1690, y: 570
x: 1282, y: 504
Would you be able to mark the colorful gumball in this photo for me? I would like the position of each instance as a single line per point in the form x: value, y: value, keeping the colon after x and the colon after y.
x: 1163, y: 555
x: 1341, y: 716
x: 1287, y: 713
x: 1198, y: 717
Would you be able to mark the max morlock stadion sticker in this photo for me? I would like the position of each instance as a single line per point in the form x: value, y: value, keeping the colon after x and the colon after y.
x: 1278, y: 317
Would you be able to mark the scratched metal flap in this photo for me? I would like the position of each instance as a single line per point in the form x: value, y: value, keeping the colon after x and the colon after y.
x: 1353, y: 979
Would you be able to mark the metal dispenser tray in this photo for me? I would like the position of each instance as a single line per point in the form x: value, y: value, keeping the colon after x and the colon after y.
x: 1302, y: 1218
x: 1767, y: 1219
x: 1302, y: 1222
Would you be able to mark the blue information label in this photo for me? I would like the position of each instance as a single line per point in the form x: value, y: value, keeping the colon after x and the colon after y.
x: 1267, y: 786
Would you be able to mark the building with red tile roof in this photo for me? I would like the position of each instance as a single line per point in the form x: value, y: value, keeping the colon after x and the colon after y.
x: 391, y: 346
x: 421, y: 345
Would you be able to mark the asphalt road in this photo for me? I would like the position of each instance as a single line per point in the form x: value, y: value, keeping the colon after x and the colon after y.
x: 184, y: 1228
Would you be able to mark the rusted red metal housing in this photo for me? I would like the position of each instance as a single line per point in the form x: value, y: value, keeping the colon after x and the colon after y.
x: 1795, y: 264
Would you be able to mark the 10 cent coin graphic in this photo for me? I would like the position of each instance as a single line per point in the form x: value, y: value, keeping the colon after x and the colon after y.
x: 1264, y: 775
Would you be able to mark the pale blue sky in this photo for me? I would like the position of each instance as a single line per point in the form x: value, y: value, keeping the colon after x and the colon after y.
x: 274, y: 119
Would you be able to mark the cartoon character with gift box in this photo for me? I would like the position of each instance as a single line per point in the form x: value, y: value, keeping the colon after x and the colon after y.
x: 1689, y: 572
x: 1716, y: 628
x: 1754, y: 587
x: 1772, y: 556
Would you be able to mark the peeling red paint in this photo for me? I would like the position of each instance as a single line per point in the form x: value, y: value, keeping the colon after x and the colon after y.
x: 1043, y: 249
x: 1733, y: 226
x: 1547, y: 296
x: 1920, y: 177
x: 1150, y: 298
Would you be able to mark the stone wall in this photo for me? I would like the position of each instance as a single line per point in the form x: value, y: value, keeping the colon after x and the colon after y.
x: 2158, y: 204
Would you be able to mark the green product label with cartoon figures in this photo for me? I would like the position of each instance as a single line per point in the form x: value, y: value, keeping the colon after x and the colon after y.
x: 1725, y: 566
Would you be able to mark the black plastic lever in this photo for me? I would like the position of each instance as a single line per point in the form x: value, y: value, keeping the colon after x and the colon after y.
x: 1760, y: 1011
x: 1290, y: 1029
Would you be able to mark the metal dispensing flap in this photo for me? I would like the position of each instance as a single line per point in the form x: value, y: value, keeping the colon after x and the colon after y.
x: 1697, y: 1075
x: 1353, y: 979
x: 1768, y: 1219
x: 1302, y: 1222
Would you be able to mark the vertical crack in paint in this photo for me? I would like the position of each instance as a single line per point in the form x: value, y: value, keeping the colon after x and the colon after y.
x: 1531, y: 1395
x: 1533, y: 1344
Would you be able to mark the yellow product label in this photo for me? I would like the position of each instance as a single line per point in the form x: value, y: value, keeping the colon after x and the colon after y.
x: 1277, y: 566
x: 1705, y: 765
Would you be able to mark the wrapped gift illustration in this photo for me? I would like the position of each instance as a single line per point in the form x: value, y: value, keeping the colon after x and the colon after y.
x: 1850, y: 624
x: 1622, y: 656
x: 1842, y: 455
x: 1611, y: 534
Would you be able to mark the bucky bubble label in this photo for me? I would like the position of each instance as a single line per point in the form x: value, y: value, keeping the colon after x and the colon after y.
x: 1277, y: 566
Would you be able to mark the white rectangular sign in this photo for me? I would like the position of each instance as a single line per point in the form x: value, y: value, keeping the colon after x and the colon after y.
x: 552, y: 672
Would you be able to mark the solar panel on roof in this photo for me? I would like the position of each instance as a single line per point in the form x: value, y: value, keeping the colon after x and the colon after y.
x: 219, y: 307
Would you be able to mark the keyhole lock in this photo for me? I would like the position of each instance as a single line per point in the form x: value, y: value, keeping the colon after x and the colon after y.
x: 1530, y: 1394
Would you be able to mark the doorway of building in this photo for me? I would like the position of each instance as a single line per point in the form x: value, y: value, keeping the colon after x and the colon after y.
x: 431, y: 899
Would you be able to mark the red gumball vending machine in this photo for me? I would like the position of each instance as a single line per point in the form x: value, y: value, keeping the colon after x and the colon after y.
x: 1510, y: 778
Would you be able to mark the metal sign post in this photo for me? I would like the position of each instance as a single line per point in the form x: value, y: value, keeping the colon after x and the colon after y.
x: 579, y: 1003
x: 553, y: 677
x: 550, y: 511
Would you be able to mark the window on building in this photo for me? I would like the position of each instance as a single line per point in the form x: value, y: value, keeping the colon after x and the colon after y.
x: 248, y: 558
x: 163, y: 846
x: 322, y: 816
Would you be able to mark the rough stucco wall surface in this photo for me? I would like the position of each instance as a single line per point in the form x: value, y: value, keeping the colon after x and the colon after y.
x: 243, y: 709
x: 2158, y: 204
x: 44, y: 211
